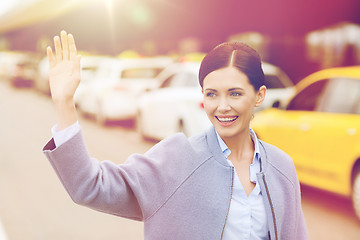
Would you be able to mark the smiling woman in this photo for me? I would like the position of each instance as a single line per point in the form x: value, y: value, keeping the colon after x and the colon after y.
x: 221, y: 184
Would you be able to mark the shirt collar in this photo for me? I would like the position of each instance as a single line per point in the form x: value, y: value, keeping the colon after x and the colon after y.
x: 224, y: 147
x: 256, y: 142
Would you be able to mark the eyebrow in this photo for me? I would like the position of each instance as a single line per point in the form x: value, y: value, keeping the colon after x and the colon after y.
x: 210, y: 89
x: 229, y: 90
x: 234, y: 89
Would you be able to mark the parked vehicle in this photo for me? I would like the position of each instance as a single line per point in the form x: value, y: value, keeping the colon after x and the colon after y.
x: 25, y: 71
x: 93, y: 67
x: 19, y: 68
x: 176, y: 106
x: 279, y: 86
x: 320, y: 129
x: 113, y: 95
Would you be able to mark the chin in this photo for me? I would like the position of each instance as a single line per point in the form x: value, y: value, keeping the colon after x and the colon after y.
x: 230, y: 132
x: 226, y: 133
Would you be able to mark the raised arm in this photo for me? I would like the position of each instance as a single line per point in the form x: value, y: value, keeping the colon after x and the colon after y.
x: 64, y: 78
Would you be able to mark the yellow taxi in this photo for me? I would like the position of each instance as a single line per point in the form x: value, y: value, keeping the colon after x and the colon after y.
x: 320, y: 129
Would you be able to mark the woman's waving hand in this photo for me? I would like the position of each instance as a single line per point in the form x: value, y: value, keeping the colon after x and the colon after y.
x: 64, y: 77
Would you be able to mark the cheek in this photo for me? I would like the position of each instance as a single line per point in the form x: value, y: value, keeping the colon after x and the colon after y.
x: 242, y: 106
x: 209, y: 106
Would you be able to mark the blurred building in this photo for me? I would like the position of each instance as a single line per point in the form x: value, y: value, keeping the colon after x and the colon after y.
x: 336, y: 45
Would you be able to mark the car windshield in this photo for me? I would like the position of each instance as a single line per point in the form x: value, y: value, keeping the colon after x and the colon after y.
x: 182, y: 79
x: 336, y: 95
x: 273, y: 81
x: 341, y: 95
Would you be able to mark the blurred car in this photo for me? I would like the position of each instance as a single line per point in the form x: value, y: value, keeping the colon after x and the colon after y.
x: 176, y: 106
x: 279, y: 86
x: 8, y: 61
x: 320, y: 129
x: 25, y: 71
x: 19, y: 68
x: 93, y: 67
x: 113, y: 95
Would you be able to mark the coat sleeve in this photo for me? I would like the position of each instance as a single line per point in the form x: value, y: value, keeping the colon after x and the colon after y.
x: 134, y: 189
x: 101, y: 186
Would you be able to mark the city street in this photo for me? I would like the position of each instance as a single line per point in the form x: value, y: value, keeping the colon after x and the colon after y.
x: 35, y: 206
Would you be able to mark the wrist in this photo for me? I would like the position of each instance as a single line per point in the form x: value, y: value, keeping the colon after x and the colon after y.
x: 66, y: 113
x: 64, y: 102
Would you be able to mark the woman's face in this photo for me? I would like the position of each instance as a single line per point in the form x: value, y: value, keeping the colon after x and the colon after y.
x: 229, y: 101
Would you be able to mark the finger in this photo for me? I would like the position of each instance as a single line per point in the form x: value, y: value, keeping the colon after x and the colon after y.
x: 72, y: 47
x: 50, y: 56
x: 65, y: 45
x: 58, y: 50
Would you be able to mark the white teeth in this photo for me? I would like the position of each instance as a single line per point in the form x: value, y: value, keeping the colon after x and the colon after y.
x: 226, y: 119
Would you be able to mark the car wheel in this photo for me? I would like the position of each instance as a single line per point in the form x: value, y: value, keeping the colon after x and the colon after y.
x: 356, y: 193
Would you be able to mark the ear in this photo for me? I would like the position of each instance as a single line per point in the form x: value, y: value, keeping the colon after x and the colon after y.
x: 260, y: 96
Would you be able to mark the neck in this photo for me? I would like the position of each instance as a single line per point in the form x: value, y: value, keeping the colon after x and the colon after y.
x: 241, y: 146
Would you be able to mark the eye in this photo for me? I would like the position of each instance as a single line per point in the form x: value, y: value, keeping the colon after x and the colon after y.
x: 210, y: 94
x: 235, y: 94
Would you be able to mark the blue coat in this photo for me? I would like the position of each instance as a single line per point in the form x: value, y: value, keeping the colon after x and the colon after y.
x: 181, y: 188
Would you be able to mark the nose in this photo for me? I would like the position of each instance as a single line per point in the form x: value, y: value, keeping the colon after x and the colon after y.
x: 223, y: 106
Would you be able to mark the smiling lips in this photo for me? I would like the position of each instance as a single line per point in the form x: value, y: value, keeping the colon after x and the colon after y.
x: 226, y: 121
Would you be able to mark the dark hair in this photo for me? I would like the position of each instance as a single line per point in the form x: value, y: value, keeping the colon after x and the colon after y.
x: 238, y: 55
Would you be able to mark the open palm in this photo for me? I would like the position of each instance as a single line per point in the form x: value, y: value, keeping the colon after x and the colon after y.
x: 64, y: 73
